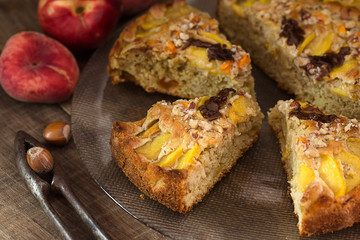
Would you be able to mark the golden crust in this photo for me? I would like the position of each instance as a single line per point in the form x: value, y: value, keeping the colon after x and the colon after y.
x: 327, y: 214
x: 151, y: 179
x: 220, y: 142
x: 304, y: 140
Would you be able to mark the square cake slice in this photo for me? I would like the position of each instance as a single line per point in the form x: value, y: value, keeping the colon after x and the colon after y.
x: 320, y: 154
x: 179, y: 151
x: 310, y: 47
x: 178, y: 50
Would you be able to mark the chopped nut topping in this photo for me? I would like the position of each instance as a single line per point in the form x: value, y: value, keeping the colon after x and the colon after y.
x: 184, y: 36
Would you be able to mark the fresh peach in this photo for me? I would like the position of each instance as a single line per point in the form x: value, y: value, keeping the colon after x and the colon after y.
x: 36, y: 68
x: 79, y: 24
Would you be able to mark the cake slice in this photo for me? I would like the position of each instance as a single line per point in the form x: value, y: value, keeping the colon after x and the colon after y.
x: 310, y: 47
x: 177, y: 50
x: 179, y: 151
x: 321, y: 157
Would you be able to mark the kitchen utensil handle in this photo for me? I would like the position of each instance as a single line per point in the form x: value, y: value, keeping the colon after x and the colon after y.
x: 61, y: 184
x: 49, y: 210
x: 86, y: 217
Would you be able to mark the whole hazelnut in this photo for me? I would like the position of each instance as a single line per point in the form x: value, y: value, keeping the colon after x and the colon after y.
x: 40, y: 160
x: 57, y: 133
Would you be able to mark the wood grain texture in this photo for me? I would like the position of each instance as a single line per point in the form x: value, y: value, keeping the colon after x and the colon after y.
x: 21, y: 216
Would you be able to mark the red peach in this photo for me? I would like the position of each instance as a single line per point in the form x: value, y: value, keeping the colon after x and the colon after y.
x: 36, y: 68
x: 79, y: 24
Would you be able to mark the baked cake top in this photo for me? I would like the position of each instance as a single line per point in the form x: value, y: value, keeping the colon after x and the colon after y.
x: 176, y: 29
x: 328, y: 146
x: 323, y: 37
x: 172, y: 135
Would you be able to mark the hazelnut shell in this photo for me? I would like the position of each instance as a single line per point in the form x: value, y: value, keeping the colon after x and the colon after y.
x: 40, y: 159
x: 57, y: 133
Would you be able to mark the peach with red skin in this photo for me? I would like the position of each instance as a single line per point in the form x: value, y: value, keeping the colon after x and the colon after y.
x: 36, y: 68
x: 79, y: 24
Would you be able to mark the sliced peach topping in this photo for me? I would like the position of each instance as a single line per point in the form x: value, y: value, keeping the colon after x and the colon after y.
x: 151, y: 131
x: 330, y: 172
x: 346, y: 66
x: 150, y: 22
x: 305, y: 177
x: 151, y: 150
x: 307, y: 40
x: 215, y: 37
x: 171, y: 158
x: 143, y: 34
x: 249, y: 3
x: 238, y: 112
x: 320, y: 45
x: 176, y: 159
x: 198, y: 56
x: 351, y: 165
x: 188, y: 158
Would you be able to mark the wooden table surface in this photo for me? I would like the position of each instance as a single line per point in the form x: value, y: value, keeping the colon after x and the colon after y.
x: 21, y: 216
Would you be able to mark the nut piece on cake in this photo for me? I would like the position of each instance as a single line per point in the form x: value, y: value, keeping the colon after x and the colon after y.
x: 179, y: 151
x: 321, y: 157
x: 177, y: 50
x: 310, y: 47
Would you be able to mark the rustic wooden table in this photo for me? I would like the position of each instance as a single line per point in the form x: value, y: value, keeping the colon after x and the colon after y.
x: 21, y: 216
